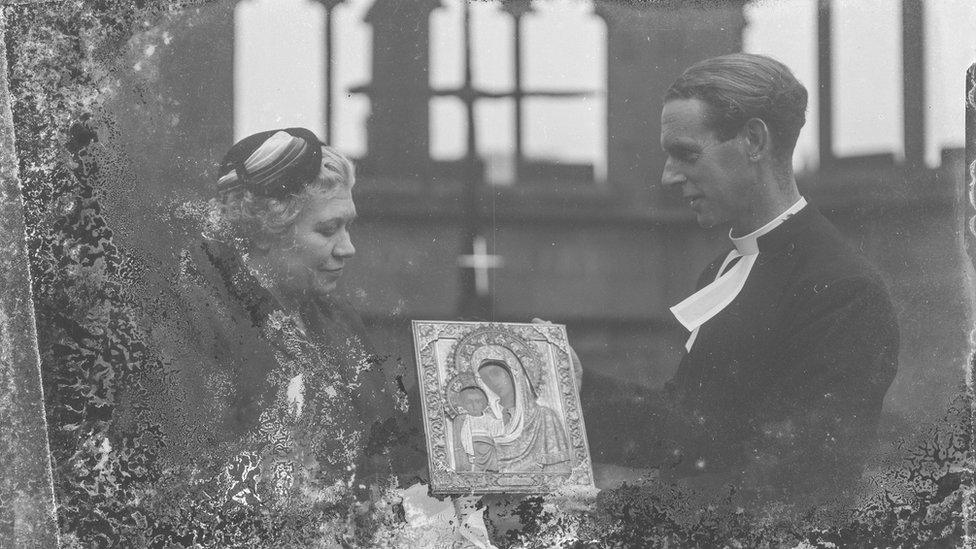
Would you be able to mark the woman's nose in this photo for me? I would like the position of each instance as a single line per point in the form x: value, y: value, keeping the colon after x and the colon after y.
x: 344, y: 247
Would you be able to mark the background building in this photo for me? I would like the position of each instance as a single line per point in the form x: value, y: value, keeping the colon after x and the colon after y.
x: 509, y: 163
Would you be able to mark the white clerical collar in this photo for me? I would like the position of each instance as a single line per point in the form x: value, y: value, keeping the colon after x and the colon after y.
x: 707, y: 302
x: 749, y: 244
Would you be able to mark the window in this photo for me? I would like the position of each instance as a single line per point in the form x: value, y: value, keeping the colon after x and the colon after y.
x: 539, y: 114
x: 267, y: 92
x: 281, y: 69
x: 787, y: 31
x: 947, y: 57
x: 351, y: 58
x: 867, y: 78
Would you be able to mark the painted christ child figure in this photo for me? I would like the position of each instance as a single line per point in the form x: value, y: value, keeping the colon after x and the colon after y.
x: 479, y: 427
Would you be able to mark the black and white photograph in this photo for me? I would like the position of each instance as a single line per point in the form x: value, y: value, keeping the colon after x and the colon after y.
x: 487, y: 273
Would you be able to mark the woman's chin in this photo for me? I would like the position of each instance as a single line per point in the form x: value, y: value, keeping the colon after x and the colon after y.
x: 324, y: 288
x: 311, y: 291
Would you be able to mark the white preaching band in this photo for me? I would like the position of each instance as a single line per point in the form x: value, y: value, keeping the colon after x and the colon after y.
x: 707, y: 302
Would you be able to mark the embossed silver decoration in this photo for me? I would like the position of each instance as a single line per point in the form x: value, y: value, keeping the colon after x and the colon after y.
x: 448, y: 357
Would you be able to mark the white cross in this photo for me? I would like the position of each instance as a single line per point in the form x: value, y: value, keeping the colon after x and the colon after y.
x: 480, y: 261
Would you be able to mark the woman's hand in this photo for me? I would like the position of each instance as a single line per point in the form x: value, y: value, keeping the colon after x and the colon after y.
x: 577, y: 365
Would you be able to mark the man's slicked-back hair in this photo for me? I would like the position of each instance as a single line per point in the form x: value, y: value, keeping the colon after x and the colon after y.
x: 741, y: 86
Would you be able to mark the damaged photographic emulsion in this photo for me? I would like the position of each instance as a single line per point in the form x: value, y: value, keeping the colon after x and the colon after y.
x: 502, y: 273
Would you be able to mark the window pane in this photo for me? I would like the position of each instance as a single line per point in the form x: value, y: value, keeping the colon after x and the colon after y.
x: 493, y: 47
x: 446, y: 46
x: 867, y: 77
x: 448, y: 129
x: 349, y: 134
x: 564, y: 47
x: 352, y: 59
x: 946, y: 59
x: 567, y: 131
x: 787, y: 31
x: 495, y: 120
x: 274, y: 87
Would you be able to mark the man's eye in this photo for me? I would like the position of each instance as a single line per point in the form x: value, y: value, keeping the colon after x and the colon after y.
x: 328, y: 230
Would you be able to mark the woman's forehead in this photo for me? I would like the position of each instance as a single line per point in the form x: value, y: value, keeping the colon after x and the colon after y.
x: 325, y: 207
x: 334, y: 198
x: 339, y: 192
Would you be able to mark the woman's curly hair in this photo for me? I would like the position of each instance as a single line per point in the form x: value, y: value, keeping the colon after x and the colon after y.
x: 251, y: 217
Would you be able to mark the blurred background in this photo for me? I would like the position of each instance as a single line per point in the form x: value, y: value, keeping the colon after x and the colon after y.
x: 509, y: 162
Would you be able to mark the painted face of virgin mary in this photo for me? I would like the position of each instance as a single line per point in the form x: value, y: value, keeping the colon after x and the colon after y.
x: 499, y: 380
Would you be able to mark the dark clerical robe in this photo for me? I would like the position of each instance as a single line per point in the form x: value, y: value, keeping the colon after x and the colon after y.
x: 782, y: 389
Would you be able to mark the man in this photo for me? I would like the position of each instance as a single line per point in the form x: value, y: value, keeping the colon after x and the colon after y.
x: 792, y: 339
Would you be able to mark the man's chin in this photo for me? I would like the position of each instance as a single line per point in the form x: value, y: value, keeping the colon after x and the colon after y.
x: 707, y: 221
x: 704, y: 221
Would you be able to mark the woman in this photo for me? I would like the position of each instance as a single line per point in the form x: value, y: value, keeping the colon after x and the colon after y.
x: 285, y: 412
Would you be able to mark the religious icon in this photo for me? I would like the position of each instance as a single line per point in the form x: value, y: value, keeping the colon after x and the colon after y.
x: 501, y: 408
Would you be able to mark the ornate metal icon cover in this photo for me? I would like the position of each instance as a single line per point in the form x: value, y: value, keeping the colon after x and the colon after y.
x: 501, y: 408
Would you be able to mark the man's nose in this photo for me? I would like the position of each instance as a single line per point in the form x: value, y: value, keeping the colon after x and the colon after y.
x: 670, y: 176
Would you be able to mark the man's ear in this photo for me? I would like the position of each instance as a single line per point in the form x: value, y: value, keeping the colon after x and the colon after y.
x: 757, y: 137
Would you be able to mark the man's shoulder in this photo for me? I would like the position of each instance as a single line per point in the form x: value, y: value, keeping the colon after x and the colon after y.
x: 829, y: 271
x: 824, y: 255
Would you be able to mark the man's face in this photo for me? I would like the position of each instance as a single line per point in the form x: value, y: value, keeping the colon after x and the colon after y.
x: 715, y: 177
x: 311, y: 258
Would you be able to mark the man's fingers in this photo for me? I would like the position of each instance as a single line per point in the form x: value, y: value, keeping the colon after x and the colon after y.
x: 577, y: 365
x: 576, y: 361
